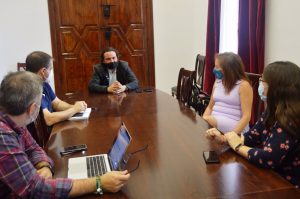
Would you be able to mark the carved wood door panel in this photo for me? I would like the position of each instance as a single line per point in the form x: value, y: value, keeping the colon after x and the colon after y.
x: 80, y: 29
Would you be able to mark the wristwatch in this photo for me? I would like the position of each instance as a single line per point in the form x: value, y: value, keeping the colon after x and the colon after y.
x: 98, y: 186
x: 48, y: 166
x: 237, y: 148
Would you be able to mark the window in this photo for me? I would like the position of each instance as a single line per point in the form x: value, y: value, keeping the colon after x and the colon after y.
x: 229, y: 26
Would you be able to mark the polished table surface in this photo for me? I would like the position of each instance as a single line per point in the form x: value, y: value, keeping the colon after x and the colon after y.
x: 173, y: 165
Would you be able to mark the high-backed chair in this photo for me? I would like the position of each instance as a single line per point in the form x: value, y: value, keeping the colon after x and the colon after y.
x: 39, y: 130
x: 42, y: 128
x: 21, y: 66
x: 199, y: 68
x: 186, y: 79
x: 257, y: 106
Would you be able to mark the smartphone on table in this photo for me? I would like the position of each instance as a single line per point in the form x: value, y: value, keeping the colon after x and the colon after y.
x: 73, y: 149
x: 211, y: 157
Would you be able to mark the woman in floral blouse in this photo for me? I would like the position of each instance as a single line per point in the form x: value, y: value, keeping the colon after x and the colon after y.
x: 274, y: 141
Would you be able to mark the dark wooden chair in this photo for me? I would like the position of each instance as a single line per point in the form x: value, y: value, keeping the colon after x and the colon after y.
x: 199, y: 68
x: 186, y: 80
x: 39, y: 130
x: 258, y: 105
x: 21, y: 66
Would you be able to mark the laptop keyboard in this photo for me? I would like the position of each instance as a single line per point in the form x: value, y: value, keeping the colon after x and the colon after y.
x: 96, y: 166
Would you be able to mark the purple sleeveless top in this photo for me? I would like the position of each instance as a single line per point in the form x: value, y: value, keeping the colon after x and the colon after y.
x: 227, y: 108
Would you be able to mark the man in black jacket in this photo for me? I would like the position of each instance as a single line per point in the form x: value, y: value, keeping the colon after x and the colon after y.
x: 112, y: 75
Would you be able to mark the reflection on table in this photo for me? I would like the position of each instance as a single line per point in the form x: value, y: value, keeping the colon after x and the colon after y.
x: 173, y: 165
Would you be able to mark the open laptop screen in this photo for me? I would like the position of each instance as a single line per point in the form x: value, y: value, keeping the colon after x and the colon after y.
x: 119, y: 147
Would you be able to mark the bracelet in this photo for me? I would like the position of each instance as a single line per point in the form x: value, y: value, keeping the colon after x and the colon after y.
x: 48, y: 166
x: 98, y: 186
x: 238, y: 147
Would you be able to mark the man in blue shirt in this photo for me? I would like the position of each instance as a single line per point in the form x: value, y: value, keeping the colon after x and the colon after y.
x: 54, y: 109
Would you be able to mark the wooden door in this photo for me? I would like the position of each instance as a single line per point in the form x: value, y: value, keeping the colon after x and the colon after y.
x: 80, y: 29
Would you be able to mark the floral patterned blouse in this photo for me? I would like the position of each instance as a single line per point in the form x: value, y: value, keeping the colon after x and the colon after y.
x: 274, y: 149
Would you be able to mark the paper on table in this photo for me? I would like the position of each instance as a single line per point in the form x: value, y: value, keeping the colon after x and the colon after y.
x: 82, y: 115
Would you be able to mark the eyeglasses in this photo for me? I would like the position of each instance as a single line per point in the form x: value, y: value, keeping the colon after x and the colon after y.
x: 126, y: 158
x: 135, y: 168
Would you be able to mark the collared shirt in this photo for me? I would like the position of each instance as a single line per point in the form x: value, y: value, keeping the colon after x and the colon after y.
x: 112, y: 76
x: 48, y: 97
x: 18, y: 155
x: 100, y: 78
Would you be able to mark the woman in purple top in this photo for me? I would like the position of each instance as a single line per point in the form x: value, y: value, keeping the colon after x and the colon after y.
x: 230, y: 105
x: 273, y: 142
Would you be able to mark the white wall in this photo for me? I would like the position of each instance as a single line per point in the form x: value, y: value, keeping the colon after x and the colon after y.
x: 179, y: 35
x: 282, y: 31
x: 24, y: 27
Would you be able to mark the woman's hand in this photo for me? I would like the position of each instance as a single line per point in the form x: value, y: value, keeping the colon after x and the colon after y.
x: 233, y: 139
x: 214, y: 134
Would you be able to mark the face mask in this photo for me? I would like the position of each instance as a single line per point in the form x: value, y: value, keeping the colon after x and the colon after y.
x: 261, y: 92
x: 50, y: 77
x: 218, y: 74
x: 34, y: 115
x: 111, y: 65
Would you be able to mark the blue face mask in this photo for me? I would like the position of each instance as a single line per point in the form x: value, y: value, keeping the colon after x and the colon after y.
x: 261, y: 92
x: 218, y: 74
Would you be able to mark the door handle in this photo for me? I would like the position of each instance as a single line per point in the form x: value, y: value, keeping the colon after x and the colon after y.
x: 106, y: 10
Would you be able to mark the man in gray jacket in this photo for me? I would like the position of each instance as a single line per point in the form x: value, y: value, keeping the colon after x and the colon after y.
x: 112, y: 75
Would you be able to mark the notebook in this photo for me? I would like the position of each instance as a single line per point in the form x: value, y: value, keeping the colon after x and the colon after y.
x: 90, y: 166
x: 84, y: 115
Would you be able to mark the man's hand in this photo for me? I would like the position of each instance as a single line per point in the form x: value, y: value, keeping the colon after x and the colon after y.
x: 122, y: 89
x: 45, y: 172
x: 116, y: 88
x: 113, y: 181
x: 80, y: 106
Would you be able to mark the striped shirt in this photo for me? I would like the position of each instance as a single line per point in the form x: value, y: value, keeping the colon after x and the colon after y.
x: 18, y: 154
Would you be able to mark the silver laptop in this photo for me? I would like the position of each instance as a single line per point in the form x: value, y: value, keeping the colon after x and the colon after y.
x: 90, y: 166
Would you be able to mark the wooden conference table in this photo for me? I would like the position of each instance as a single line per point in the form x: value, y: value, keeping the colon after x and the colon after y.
x: 173, y: 165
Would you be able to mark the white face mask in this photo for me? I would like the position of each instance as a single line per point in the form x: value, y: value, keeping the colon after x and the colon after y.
x: 34, y: 115
x: 261, y: 92
x: 50, y: 77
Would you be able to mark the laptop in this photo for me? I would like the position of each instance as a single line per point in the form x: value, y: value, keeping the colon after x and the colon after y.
x: 90, y: 166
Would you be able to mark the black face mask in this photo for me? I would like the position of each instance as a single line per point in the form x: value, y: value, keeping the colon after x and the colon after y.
x: 111, y: 65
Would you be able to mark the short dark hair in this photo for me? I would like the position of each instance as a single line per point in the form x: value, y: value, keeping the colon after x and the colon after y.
x: 37, y: 60
x: 283, y: 97
x: 108, y: 49
x: 18, y: 90
x: 233, y: 69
